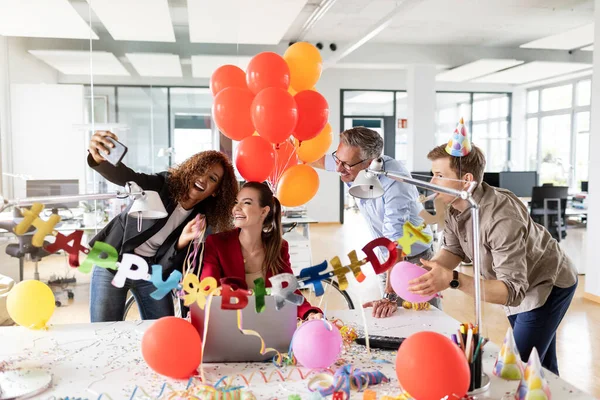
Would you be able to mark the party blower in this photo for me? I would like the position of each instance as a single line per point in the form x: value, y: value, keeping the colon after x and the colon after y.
x: 367, y: 186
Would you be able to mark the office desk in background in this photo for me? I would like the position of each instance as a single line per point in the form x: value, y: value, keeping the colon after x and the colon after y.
x: 300, y: 249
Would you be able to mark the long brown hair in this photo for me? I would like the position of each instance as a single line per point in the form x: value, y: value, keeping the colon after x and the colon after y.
x: 272, y: 232
x: 217, y: 209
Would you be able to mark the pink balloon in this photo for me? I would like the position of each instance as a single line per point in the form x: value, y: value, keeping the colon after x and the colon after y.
x: 317, y: 344
x: 402, y: 273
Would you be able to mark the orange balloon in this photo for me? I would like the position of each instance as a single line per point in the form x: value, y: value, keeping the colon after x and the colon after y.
x: 298, y: 185
x: 172, y: 347
x: 227, y: 76
x: 436, y: 354
x: 292, y: 91
x: 231, y: 112
x: 305, y: 64
x: 285, y: 157
x: 274, y: 114
x: 267, y: 70
x: 255, y: 158
x: 313, y: 113
x: 311, y: 150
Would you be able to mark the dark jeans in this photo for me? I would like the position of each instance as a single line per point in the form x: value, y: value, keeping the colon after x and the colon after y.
x: 107, y: 302
x: 537, y: 328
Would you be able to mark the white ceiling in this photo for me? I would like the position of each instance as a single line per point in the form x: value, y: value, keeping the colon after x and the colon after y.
x: 457, y: 22
x: 157, y: 36
x: 42, y: 18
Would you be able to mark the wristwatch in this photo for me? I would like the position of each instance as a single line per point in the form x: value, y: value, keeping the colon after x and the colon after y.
x: 454, y: 283
x: 393, y: 297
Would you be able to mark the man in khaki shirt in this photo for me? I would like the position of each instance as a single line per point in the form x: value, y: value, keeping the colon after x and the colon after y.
x: 523, y: 267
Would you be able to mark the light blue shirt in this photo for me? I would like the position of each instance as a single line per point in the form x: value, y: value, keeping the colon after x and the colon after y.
x: 387, y: 214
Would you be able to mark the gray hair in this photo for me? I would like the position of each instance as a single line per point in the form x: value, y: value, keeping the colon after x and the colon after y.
x: 367, y: 140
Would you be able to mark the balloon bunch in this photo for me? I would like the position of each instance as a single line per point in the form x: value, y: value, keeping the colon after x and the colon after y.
x: 278, y: 117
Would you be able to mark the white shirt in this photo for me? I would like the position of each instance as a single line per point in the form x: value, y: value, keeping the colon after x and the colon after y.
x: 149, y: 248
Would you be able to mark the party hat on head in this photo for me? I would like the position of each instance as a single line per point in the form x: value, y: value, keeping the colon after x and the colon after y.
x: 533, y: 386
x: 460, y: 143
x: 508, y: 364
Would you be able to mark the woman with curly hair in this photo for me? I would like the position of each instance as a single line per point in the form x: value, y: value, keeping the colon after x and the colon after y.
x: 203, y: 184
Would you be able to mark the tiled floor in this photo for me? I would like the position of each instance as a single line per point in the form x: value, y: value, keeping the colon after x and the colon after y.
x: 578, y: 338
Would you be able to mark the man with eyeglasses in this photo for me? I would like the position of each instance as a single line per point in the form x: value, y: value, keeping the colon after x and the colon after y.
x: 385, y: 215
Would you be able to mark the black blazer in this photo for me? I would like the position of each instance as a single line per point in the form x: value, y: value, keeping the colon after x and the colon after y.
x: 122, y: 232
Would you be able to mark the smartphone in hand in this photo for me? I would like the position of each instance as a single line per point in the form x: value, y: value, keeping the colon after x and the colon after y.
x: 116, y: 153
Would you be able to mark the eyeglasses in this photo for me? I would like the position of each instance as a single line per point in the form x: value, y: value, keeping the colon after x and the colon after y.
x: 344, y: 164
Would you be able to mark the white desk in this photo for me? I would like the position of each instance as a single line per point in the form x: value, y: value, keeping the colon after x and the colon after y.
x: 90, y: 359
x: 300, y: 251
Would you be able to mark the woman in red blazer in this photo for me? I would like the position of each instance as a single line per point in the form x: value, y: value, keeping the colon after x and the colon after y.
x: 255, y: 248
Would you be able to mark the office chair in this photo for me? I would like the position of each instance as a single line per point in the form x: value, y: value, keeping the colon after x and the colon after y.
x: 548, y: 207
x: 24, y: 248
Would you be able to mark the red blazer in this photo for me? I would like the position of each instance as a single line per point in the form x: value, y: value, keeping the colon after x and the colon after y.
x: 223, y: 259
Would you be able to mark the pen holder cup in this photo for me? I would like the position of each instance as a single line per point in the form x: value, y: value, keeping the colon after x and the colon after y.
x: 480, y: 382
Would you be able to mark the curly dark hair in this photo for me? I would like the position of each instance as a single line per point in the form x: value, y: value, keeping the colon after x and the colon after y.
x: 217, y: 209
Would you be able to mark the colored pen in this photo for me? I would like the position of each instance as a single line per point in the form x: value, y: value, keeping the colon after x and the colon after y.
x: 469, y: 344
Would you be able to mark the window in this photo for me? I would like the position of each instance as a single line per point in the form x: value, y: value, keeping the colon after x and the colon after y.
x: 489, y: 126
x: 560, y: 130
x: 584, y: 92
x: 557, y: 97
x: 533, y: 101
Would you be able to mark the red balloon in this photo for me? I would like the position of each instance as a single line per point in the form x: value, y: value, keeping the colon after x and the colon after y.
x: 255, y: 158
x: 442, y: 359
x: 285, y: 157
x: 172, y: 347
x: 275, y: 114
x: 313, y: 114
x: 227, y: 76
x: 231, y: 112
x: 267, y: 70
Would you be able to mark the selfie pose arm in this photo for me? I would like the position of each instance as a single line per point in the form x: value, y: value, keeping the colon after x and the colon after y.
x: 119, y: 174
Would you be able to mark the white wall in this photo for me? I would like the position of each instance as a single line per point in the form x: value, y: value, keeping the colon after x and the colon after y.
x: 17, y: 66
x: 45, y: 142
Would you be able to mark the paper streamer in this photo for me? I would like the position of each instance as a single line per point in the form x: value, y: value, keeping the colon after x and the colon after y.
x: 273, y: 376
x: 345, y: 379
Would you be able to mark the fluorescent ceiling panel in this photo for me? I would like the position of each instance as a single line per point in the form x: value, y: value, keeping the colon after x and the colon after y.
x: 476, y: 69
x: 569, y: 40
x: 144, y: 21
x: 379, y: 66
x: 154, y: 64
x: 241, y: 21
x: 78, y: 62
x: 42, y: 18
x: 533, y: 71
x: 588, y: 48
x: 204, y: 66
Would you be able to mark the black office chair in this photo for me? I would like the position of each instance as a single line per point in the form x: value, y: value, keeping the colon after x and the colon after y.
x: 24, y: 248
x: 548, y: 208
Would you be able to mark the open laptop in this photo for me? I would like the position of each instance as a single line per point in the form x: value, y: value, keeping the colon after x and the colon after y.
x: 225, y: 342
